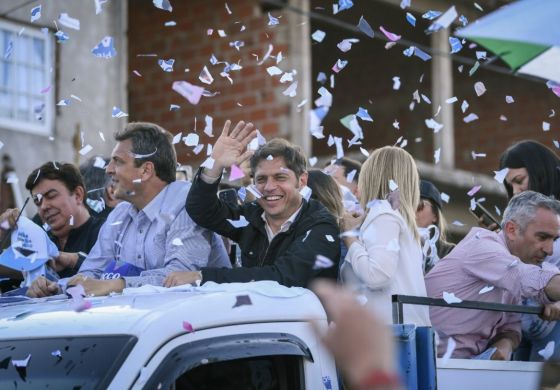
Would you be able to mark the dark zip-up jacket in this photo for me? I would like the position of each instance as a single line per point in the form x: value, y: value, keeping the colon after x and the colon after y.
x: 288, y: 259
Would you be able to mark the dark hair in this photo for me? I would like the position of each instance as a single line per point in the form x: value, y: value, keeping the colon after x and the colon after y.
x: 153, y: 143
x: 96, y: 179
x: 350, y: 165
x: 66, y: 173
x: 325, y: 190
x: 277, y: 147
x: 541, y: 163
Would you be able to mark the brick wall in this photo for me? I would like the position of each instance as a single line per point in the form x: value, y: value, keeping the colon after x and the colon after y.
x: 253, y: 96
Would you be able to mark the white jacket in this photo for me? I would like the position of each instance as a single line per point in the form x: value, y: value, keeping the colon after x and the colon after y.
x: 386, y: 260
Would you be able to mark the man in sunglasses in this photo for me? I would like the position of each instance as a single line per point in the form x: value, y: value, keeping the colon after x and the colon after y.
x: 58, y: 191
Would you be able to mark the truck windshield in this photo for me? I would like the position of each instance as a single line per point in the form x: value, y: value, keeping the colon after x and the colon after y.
x: 62, y: 363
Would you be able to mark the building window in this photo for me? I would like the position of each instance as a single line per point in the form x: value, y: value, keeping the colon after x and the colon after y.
x: 26, y: 79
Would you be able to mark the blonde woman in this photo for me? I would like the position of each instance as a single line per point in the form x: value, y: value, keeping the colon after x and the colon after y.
x: 384, y: 255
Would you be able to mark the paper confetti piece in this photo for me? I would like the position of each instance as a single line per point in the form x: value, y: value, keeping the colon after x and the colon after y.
x: 236, y: 173
x: 68, y: 21
x: 474, y: 190
x: 390, y: 36
x: 166, y: 65
x: 105, y: 48
x: 451, y: 344
x: 322, y: 262
x: 451, y: 298
x: 470, y: 118
x: 205, y: 76
x: 291, y: 91
x: 191, y: 92
x: 272, y: 21
x: 35, y: 13
x: 456, y: 45
x: 546, y: 126
x: 329, y: 238
x: 242, y: 300
x: 509, y: 99
x: 432, y: 124
x: 444, y: 197
x: 163, y: 4
x: 274, y: 70
x: 177, y: 242
x: 346, y: 44
x: 118, y: 113
x: 253, y: 190
x: 411, y: 19
x: 479, y: 88
x: 318, y: 35
x: 443, y: 21
x: 486, y: 289
x: 191, y: 139
x: 500, y: 175
x: 78, y: 294
x: 187, y: 326
x: 547, y: 351
x: 86, y: 149
x: 57, y: 354
x: 364, y: 27
x: 239, y: 223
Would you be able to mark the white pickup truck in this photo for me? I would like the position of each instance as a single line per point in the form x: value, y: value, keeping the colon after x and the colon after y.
x: 237, y: 336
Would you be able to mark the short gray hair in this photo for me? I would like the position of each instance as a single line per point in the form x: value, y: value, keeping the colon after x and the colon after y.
x: 522, y: 208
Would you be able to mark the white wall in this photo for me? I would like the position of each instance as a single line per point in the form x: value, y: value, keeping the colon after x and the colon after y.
x: 100, y: 83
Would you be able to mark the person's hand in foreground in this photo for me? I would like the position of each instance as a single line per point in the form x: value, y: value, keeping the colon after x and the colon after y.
x: 42, y: 287
x: 351, y: 221
x: 63, y: 261
x: 231, y: 147
x: 504, y: 349
x: 361, y: 344
x: 98, y: 287
x: 178, y: 278
x: 8, y: 221
x: 551, y: 312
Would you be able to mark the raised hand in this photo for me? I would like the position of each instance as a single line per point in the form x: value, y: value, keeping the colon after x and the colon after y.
x: 231, y: 147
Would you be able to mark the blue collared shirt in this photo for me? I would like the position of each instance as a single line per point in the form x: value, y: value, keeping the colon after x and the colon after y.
x: 159, y: 239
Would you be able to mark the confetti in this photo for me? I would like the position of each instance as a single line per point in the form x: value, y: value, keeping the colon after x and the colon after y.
x: 57, y: 354
x: 60, y: 35
x: 205, y: 76
x: 170, y: 23
x: 486, y: 289
x: 451, y: 344
x: 187, y: 326
x: 21, y: 366
x: 63, y: 102
x: 547, y: 351
x: 329, y: 238
x: 318, y: 35
x: 411, y: 19
x: 163, y: 4
x: 443, y: 21
x: 346, y: 44
x: 274, y: 70
x: 118, y: 113
x: 546, y: 126
x: 437, y: 154
x: 479, y: 88
x: 236, y: 173
x: 390, y: 36
x: 444, y: 197
x: 242, y: 300
x: 474, y: 190
x: 509, y: 99
x: 470, y: 118
x: 322, y: 262
x: 177, y: 242
x: 191, y: 139
x: 166, y: 65
x: 86, y: 149
x: 35, y: 13
x: 78, y: 294
x: 456, y: 45
x: 364, y: 115
x: 364, y: 27
x: 431, y: 15
x: 450, y: 298
x: 272, y: 21
x: 191, y: 92
x: 396, y: 83
x: 291, y: 91
x: 432, y: 124
x: 239, y: 223
x: 500, y: 175
x: 339, y: 65
x: 105, y: 48
x: 68, y: 21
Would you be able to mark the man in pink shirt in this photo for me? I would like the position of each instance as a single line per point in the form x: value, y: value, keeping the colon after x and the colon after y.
x: 501, y: 268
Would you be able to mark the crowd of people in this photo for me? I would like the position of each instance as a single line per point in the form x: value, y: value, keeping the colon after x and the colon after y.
x: 375, y: 227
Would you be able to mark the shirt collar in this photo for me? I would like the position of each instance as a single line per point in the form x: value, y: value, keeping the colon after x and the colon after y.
x: 285, y: 226
x: 151, y: 210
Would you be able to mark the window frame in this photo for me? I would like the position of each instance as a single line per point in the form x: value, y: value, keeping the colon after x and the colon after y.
x: 46, y: 125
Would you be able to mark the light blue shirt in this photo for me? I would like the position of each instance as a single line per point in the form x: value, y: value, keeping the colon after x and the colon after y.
x: 159, y: 239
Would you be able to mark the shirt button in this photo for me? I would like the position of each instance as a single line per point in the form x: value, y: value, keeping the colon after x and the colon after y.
x: 141, y: 230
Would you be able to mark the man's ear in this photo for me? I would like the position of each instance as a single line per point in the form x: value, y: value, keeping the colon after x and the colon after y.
x: 148, y: 170
x: 510, y: 229
x: 303, y: 179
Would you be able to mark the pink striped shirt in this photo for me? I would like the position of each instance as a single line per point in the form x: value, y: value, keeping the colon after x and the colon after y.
x: 478, y: 263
